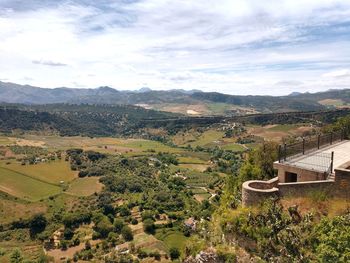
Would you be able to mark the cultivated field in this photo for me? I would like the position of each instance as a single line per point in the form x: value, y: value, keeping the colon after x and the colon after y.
x: 277, y: 132
x: 25, y: 187
x: 85, y: 186
x: 52, y: 172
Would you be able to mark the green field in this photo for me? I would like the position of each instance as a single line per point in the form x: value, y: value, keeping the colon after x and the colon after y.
x: 147, y: 145
x: 172, y: 238
x: 85, y: 186
x: 4, y: 141
x: 195, y: 178
x: 196, y: 167
x: 52, y: 172
x: 208, y: 137
x: 25, y: 187
x: 235, y: 147
x: 219, y: 108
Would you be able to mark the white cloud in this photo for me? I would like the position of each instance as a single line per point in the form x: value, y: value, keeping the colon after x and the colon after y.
x: 238, y: 47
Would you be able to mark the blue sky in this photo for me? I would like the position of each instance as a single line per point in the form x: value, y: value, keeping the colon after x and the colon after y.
x: 232, y: 46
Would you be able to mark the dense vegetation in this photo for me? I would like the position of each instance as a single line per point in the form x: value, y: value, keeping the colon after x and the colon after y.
x: 64, y: 119
x: 150, y: 197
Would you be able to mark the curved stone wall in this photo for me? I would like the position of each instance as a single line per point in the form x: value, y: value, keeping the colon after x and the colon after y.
x: 256, y: 191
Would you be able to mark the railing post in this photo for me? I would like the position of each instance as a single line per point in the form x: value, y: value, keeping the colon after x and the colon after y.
x: 332, y: 160
x: 341, y: 134
x: 285, y: 152
x: 331, y: 138
x: 318, y: 141
x: 279, y: 152
x: 303, y: 146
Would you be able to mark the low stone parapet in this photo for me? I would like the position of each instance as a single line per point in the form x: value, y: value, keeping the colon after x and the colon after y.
x: 256, y: 191
x: 301, y: 189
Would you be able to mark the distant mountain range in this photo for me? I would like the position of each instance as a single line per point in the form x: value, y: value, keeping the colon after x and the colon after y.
x: 193, y: 101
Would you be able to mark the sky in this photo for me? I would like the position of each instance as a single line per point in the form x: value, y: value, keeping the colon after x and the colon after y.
x: 241, y: 47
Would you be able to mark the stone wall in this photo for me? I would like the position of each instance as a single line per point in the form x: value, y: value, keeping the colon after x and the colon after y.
x: 305, y: 188
x: 254, y: 192
x: 342, y: 183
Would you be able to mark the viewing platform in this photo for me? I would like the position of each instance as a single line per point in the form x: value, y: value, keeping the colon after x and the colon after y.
x: 318, y: 164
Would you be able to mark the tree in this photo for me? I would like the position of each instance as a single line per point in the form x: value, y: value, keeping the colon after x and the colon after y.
x: 37, y: 224
x: 68, y: 233
x: 148, y: 226
x: 127, y: 233
x: 118, y: 225
x: 174, y: 253
x: 16, y: 256
x: 104, y: 227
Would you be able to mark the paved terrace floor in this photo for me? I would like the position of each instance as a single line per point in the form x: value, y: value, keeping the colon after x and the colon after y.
x: 319, y: 160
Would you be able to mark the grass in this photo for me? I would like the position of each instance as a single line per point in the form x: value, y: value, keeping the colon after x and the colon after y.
x: 172, y: 238
x: 11, y: 209
x: 195, y: 178
x: 4, y: 141
x: 208, y: 138
x: 25, y: 187
x: 85, y: 186
x: 58, y: 142
x: 202, y: 197
x: 132, y: 147
x: 147, y: 145
x: 283, y: 127
x: 233, y: 147
x: 51, y: 172
x: 219, y: 108
x: 333, y: 102
x: 195, y: 157
x: 196, y: 167
x: 318, y: 203
x: 191, y: 160
x: 29, y: 249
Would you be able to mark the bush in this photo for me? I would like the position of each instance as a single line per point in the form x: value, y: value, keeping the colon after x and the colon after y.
x: 16, y: 256
x: 134, y: 221
x: 124, y: 211
x: 118, y: 225
x: 68, y: 233
x: 156, y: 255
x: 127, y: 233
x: 174, y: 253
x: 142, y: 254
x: 148, y: 226
x: 104, y: 227
x: 147, y: 215
x: 38, y: 223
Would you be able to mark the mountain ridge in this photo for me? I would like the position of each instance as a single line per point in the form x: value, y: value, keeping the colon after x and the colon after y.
x: 31, y: 95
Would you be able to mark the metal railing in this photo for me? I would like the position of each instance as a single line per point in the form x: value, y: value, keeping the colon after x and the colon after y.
x: 286, y: 151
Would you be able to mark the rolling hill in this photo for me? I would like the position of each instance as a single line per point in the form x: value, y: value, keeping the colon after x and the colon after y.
x: 186, y: 102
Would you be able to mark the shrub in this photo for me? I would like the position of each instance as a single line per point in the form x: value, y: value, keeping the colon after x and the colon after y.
x: 68, y: 233
x: 118, y: 225
x: 127, y: 233
x: 142, y: 254
x: 148, y: 226
x: 174, y: 253
x: 38, y: 223
x: 104, y: 227
x: 16, y: 256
